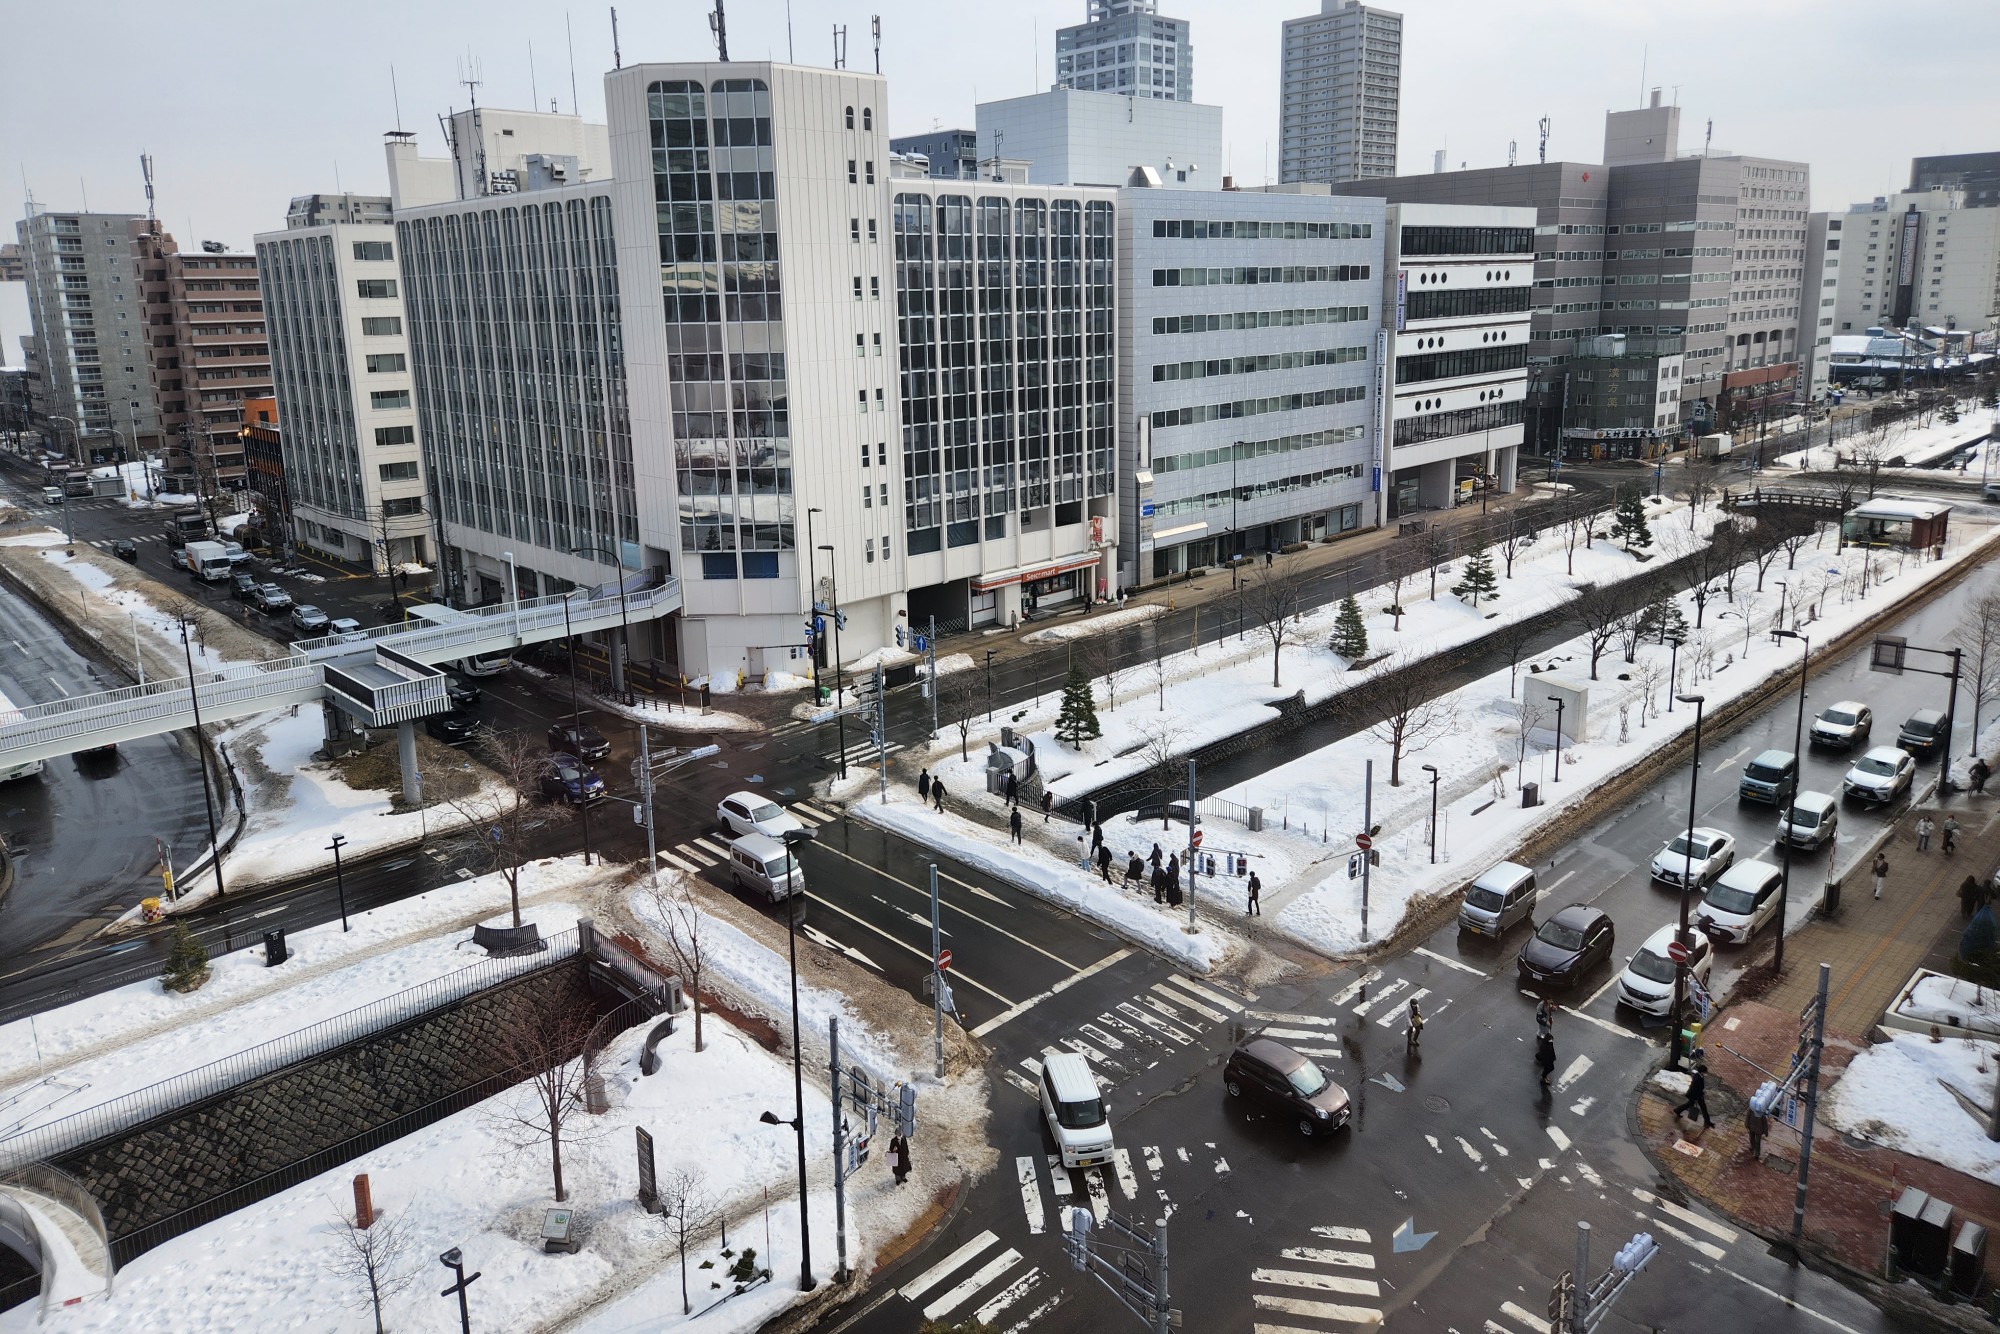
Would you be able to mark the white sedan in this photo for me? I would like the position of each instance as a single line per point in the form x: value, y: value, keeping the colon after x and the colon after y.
x: 1883, y: 774
x: 1692, y: 862
x: 753, y: 813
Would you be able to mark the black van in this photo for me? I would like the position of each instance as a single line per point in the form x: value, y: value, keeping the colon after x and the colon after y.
x: 1925, y: 732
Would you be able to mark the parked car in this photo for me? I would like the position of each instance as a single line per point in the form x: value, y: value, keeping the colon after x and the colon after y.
x: 1647, y: 984
x: 1771, y: 776
x: 236, y: 554
x: 52, y: 495
x: 1692, y: 862
x: 308, y: 619
x: 345, y: 628
x: 126, y: 549
x: 1844, y: 725
x: 271, y: 599
x: 1743, y: 900
x: 1925, y: 732
x: 1269, y: 1071
x: 579, y: 738
x: 566, y: 778
x: 1565, y: 947
x: 1883, y: 774
x: 452, y: 727
x: 1075, y: 1111
x: 1811, y: 822
x: 1500, y: 898
x: 461, y: 690
x: 243, y: 586
x: 752, y: 813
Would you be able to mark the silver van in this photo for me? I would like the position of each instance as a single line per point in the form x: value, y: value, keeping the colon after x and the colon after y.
x: 1078, y: 1120
x: 1497, y: 900
x: 759, y: 862
x: 1812, y: 820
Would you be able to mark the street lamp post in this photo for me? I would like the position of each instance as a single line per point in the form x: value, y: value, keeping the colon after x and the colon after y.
x: 989, y: 683
x: 620, y: 659
x: 1673, y: 672
x: 576, y: 722
x: 201, y: 759
x: 339, y: 882
x: 1431, y: 769
x: 793, y: 911
x: 513, y: 593
x: 1681, y: 935
x: 839, y: 704
x: 1785, y: 825
x: 1556, y: 700
x: 812, y: 601
x: 454, y: 1260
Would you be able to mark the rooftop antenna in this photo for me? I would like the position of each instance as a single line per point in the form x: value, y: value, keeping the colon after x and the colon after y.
x: 1511, y: 146
x: 1644, y: 53
x: 718, y: 23
x: 534, y: 90
x: 839, y: 45
x: 1708, y: 136
x: 468, y: 74
x: 570, y: 39
x: 875, y: 22
x: 396, y: 99
x: 617, y: 60
x: 146, y: 170
x: 791, y: 56
x: 1543, y: 126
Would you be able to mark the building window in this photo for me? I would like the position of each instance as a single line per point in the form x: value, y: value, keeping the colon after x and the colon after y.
x: 382, y: 362
x: 867, y: 118
x: 875, y: 288
x: 381, y: 325
x: 760, y: 565
x: 373, y: 250
x: 871, y: 230
x: 402, y: 508
x: 857, y: 289
x: 718, y: 565
x: 372, y: 288
x: 395, y: 435
x: 871, y: 171
x: 398, y: 472
x: 850, y: 171
x: 854, y: 230
x: 850, y: 118
x: 386, y: 400
x: 860, y: 345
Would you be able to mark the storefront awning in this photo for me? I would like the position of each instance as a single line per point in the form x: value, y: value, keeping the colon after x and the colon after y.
x: 1028, y: 574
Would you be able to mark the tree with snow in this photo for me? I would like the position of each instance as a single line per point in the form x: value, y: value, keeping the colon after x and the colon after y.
x: 1350, y: 633
x: 187, y: 961
x: 1629, y: 525
x: 375, y: 1257
x: 1077, y: 723
x: 1478, y: 581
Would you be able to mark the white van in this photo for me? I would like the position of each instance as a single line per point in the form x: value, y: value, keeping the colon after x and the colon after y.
x: 1647, y: 984
x: 52, y: 495
x: 1075, y: 1111
x: 1812, y: 821
x: 1744, y: 899
x: 1498, y: 899
x: 765, y: 865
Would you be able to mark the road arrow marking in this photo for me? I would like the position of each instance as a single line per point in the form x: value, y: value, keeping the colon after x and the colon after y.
x: 1388, y: 1081
x: 1407, y: 1238
x: 819, y: 937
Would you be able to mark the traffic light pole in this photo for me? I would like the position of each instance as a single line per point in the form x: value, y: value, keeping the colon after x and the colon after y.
x: 840, y: 1275
x: 937, y: 975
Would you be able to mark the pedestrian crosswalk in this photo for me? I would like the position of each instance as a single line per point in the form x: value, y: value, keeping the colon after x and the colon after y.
x: 1324, y: 1285
x: 1135, y: 1034
x: 864, y: 752
x: 983, y: 1281
x: 707, y: 851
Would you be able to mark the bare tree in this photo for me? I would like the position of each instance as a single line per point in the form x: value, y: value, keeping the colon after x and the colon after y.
x: 1513, y: 639
x: 1270, y: 600
x: 1867, y: 451
x: 1160, y: 748
x: 1413, y: 694
x: 1517, y: 534
x: 1795, y: 529
x: 1599, y: 611
x: 1403, y: 564
x: 1102, y: 659
x: 374, y: 1257
x: 680, y: 920
x: 505, y: 812
x: 689, y: 1211
x: 1576, y: 515
x: 1767, y: 540
x: 1978, y: 635
x: 1698, y: 477
x: 1159, y: 670
x: 1436, y: 546
x: 1650, y: 671
x: 958, y: 702
x: 1700, y: 564
x: 554, y: 1051
x: 1631, y: 629
x: 1530, y: 716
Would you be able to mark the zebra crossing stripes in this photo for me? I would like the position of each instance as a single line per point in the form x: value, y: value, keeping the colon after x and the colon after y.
x: 1319, y: 1289
x: 864, y: 753
x: 707, y: 851
x: 971, y: 1271
x: 1522, y: 1318
x: 1130, y: 1036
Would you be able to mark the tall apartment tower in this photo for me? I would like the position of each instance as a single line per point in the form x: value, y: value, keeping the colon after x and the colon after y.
x: 353, y: 469
x: 1919, y: 260
x: 1126, y: 47
x: 90, y: 329
x: 1342, y: 93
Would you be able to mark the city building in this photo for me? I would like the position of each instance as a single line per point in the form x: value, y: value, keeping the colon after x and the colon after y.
x: 13, y: 263
x: 1125, y: 47
x: 1340, y: 98
x: 1069, y: 137
x: 204, y: 321
x: 1976, y: 175
x: 495, y: 152
x: 1454, y: 293
x: 1919, y: 260
x: 948, y: 154
x: 16, y: 401
x: 1824, y: 233
x: 1247, y: 332
x: 353, y: 465
x: 264, y: 460
x: 89, y: 367
x: 319, y: 210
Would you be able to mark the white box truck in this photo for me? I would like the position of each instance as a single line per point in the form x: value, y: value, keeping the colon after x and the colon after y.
x: 1714, y: 446
x: 209, y: 560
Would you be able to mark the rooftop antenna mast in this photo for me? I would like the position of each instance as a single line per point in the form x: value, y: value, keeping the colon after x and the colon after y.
x: 840, y: 46
x: 468, y: 74
x: 875, y: 22
x: 718, y: 23
x: 146, y: 170
x: 570, y: 38
x: 617, y: 61
x: 1708, y: 137
x: 1543, y: 126
x: 1511, y: 147
x: 396, y: 99
x: 534, y: 87
x: 791, y: 56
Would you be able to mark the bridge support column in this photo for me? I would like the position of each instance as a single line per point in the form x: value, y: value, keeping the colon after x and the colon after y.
x: 335, y: 727
x: 406, y: 755
x: 617, y: 654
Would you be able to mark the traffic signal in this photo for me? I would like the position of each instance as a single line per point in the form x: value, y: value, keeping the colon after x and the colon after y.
x: 1634, y: 1254
x: 899, y: 636
x: 839, y: 619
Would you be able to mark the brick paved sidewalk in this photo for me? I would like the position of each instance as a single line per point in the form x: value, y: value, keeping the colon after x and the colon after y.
x: 1873, y: 946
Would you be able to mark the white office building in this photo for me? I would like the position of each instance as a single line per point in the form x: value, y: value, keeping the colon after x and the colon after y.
x: 1070, y: 137
x: 1341, y: 100
x: 1824, y: 235
x: 1126, y: 47
x: 1918, y: 260
x: 1247, y: 332
x: 353, y: 465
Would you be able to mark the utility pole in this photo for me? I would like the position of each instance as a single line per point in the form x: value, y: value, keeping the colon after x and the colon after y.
x: 1122, y: 1268
x: 937, y: 974
x: 1368, y: 828
x: 840, y: 1274
x: 645, y: 777
x: 930, y: 656
x: 1194, y: 842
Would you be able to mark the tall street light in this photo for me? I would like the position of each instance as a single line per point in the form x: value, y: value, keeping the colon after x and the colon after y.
x: 1556, y: 700
x: 1785, y: 826
x: 1673, y: 672
x: 794, y: 909
x: 576, y: 723
x: 1686, y: 940
x: 339, y: 882
x: 621, y: 660
x: 201, y: 759
x: 1431, y: 769
x: 839, y: 704
x: 812, y: 601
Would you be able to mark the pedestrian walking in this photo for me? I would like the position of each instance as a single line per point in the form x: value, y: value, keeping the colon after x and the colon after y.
x: 1013, y: 789
x: 1173, y: 891
x: 1881, y: 870
x: 1104, y: 862
x: 1545, y: 1016
x: 1157, y: 857
x: 1414, y: 1038
x: 1924, y: 828
x: 1697, y: 1098
x: 1545, y: 1055
x: 899, y: 1158
x: 1979, y: 773
x: 1159, y: 884
x: 1014, y: 823
x: 1256, y: 887
x: 937, y: 794
x: 1097, y: 836
x: 1135, y: 869
x: 1969, y: 896
x: 1173, y: 872
x: 924, y: 785
x: 1951, y: 831
x: 1048, y: 804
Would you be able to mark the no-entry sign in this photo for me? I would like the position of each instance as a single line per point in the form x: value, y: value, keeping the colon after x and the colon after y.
x: 1363, y: 842
x: 1677, y: 951
x: 944, y: 960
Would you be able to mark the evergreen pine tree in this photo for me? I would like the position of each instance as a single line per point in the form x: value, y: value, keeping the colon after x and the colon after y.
x: 1630, y: 526
x: 1663, y: 620
x: 1077, y: 723
x: 187, y: 961
x: 1350, y: 632
x: 1478, y: 582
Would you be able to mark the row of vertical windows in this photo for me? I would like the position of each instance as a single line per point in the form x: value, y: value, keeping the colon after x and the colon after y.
x: 1214, y: 321
x: 1278, y: 486
x: 1251, y: 365
x: 1466, y: 361
x: 1247, y: 276
x: 1254, y: 449
x: 1460, y: 421
x: 1202, y: 229
x: 1466, y: 301
x: 1256, y: 407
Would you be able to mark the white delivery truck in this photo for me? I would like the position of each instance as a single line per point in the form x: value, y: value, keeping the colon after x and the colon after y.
x: 208, y: 560
x: 1715, y: 446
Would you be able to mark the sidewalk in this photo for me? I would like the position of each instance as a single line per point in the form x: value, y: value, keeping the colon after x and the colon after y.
x: 1873, y: 946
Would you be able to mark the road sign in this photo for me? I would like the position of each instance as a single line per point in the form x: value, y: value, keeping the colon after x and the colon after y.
x: 944, y: 960
x: 1678, y: 951
x: 1196, y: 840
x: 1363, y: 842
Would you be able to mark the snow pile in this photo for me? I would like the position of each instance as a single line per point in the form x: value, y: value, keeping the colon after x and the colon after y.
x: 1904, y: 439
x: 1951, y: 1003
x: 1095, y: 625
x: 1910, y: 1093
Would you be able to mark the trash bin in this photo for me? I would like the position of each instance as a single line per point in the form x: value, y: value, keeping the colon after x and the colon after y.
x: 275, y: 952
x: 1531, y: 795
x: 1830, y: 904
x: 1968, y: 1259
x: 1920, y: 1233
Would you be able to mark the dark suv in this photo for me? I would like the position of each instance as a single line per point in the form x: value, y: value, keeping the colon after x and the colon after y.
x: 579, y: 738
x: 1289, y: 1082
x: 1925, y: 732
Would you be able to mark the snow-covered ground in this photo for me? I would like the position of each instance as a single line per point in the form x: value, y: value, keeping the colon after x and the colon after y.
x: 1098, y: 624
x: 1952, y: 1004
x: 1900, y: 1094
x: 1903, y: 439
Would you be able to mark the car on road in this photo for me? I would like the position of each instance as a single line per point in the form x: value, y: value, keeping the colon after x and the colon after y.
x: 752, y: 813
x: 1695, y: 858
x: 1647, y: 984
x: 1883, y: 774
x: 1292, y: 1082
x: 1812, y: 821
x: 243, y: 587
x: 566, y: 778
x: 345, y: 628
x: 1925, y: 732
x: 238, y: 557
x: 308, y: 619
x: 1565, y: 947
x: 579, y: 738
x: 1500, y: 898
x: 1772, y: 776
x: 126, y: 549
x: 452, y: 727
x: 271, y: 599
x: 1845, y: 724
x: 1073, y: 1106
x: 52, y: 495
x: 765, y: 865
x: 1740, y: 902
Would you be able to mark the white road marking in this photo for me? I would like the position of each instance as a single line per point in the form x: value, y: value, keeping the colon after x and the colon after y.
x: 1331, y: 1053
x: 1160, y: 1026
x: 1182, y: 1154
x: 1589, y: 1173
x: 684, y: 866
x: 1299, y: 1278
x: 1207, y: 993
x: 1279, y: 1017
x: 1351, y: 1234
x: 1103, y: 1038
x: 1576, y: 1070
x: 1498, y: 1147
x: 1059, y: 1177
x: 1128, y: 1180
x: 1604, y: 1024
x: 1687, y: 1239
x: 701, y: 857
x: 1317, y: 1255
x: 1435, y: 957
x: 985, y: 1274
x: 1099, y: 1193
x: 1582, y: 1105
x: 1309, y: 1034
x: 1153, y: 1161
x: 1022, y: 1083
x: 1688, y: 1216
x: 1592, y: 997
x: 708, y: 845
x: 805, y: 808
x: 1470, y: 1152
x: 1221, y: 1166
x: 1561, y: 1140
x: 1528, y: 1318
x: 1787, y: 1301
x: 1031, y: 1195
x: 1212, y: 1015
x: 1384, y: 994
x: 935, y: 1275
x: 1353, y: 989
x: 1402, y: 1012
x: 1433, y: 1141
x: 1020, y: 1007
x: 1008, y: 1295
x: 1084, y: 1049
x: 1032, y: 1066
x: 59, y: 686
x: 1353, y: 1315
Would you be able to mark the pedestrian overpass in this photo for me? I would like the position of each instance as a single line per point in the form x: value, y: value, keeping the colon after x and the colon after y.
x: 380, y: 677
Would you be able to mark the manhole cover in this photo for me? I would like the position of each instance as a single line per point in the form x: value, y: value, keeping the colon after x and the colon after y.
x: 1434, y: 1102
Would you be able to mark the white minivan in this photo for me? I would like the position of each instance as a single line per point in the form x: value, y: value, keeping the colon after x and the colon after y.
x: 1497, y: 900
x: 1743, y: 900
x: 1647, y: 984
x: 1071, y: 1104
x: 765, y: 865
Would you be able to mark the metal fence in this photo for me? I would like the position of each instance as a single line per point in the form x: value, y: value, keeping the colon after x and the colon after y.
x: 55, y: 1138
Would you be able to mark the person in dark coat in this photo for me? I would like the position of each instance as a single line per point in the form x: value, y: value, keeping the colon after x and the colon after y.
x: 1979, y: 774
x: 1174, y: 892
x: 1135, y: 870
x: 1157, y: 858
x: 924, y: 785
x: 1969, y: 895
x: 1256, y: 887
x: 937, y: 794
x: 1159, y: 884
x: 1104, y: 862
x: 1545, y: 1055
x: 1048, y: 804
x: 899, y: 1158
x: 1697, y: 1098
x: 1014, y: 823
x: 1013, y: 790
x: 1097, y: 836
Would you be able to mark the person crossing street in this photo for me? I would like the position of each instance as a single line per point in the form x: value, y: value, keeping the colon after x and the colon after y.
x: 1697, y: 1098
x: 1414, y: 1038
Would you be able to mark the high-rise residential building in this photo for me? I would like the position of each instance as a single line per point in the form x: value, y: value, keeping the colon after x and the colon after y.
x: 951, y: 155
x: 13, y: 263
x: 86, y: 306
x: 319, y: 210
x: 354, y: 475
x: 1917, y: 261
x: 1824, y: 234
x: 1069, y: 137
x: 1341, y: 96
x: 1247, y: 353
x: 1976, y: 175
x: 204, y: 326
x: 1125, y: 47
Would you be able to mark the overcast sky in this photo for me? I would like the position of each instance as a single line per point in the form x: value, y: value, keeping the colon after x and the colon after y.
x: 244, y: 104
